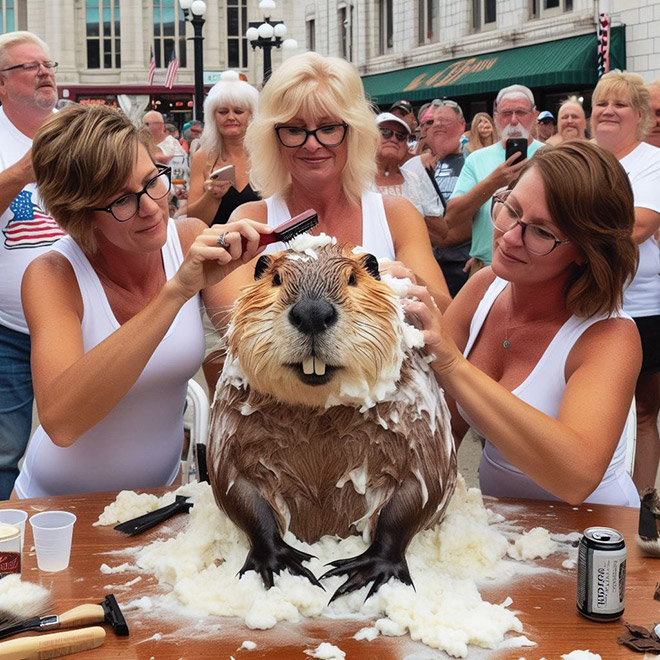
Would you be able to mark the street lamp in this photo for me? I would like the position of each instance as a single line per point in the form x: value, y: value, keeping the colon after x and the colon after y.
x: 197, y: 8
x: 268, y: 35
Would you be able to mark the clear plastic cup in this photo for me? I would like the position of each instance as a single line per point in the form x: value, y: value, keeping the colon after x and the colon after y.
x: 15, y: 517
x: 53, y: 533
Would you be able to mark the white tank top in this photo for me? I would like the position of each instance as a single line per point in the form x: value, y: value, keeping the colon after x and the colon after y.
x: 376, y: 236
x: 543, y: 389
x: 138, y: 444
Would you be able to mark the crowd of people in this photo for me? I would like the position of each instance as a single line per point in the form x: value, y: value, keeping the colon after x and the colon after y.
x: 531, y: 245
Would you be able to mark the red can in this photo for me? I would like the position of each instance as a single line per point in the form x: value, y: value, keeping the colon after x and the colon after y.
x: 10, y: 550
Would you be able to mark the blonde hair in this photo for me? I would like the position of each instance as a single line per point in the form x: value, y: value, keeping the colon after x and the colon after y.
x: 81, y: 156
x: 630, y: 86
x: 475, y: 141
x: 230, y: 91
x: 589, y: 198
x: 17, y: 38
x: 318, y: 86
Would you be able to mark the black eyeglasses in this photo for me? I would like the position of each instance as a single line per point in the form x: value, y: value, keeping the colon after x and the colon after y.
x: 387, y: 133
x: 330, y: 135
x: 32, y: 66
x: 537, y: 239
x: 127, y: 206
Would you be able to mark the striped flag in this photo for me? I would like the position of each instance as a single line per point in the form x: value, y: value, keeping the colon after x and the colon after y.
x: 603, y: 44
x: 152, y: 67
x: 172, y: 68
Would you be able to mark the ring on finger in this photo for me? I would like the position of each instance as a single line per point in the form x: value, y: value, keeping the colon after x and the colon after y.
x: 222, y: 242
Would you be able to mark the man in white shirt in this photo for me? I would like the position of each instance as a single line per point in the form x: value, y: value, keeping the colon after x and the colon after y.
x: 28, y: 94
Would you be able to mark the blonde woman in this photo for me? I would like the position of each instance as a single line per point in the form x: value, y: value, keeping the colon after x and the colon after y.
x: 620, y: 119
x: 228, y: 109
x: 482, y: 132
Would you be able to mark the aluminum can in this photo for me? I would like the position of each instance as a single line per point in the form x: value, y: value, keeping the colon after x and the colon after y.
x: 601, y: 582
x: 10, y: 550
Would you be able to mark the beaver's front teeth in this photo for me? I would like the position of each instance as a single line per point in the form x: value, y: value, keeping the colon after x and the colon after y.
x: 312, y: 365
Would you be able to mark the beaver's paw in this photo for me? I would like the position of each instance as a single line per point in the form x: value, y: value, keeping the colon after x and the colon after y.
x: 274, y: 557
x: 370, y: 566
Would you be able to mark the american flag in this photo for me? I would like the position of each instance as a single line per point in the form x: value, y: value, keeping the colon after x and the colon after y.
x: 31, y: 226
x: 172, y: 68
x: 603, y: 44
x: 152, y: 67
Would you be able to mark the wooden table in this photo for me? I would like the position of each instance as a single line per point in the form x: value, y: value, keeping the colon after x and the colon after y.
x: 546, y: 602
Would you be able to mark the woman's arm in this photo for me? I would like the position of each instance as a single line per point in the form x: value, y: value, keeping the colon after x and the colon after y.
x: 412, y: 247
x: 569, y: 455
x: 205, y: 195
x: 75, y: 390
x: 647, y: 223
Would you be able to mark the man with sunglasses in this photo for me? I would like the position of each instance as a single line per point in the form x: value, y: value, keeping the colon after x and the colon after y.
x: 486, y: 171
x: 28, y: 94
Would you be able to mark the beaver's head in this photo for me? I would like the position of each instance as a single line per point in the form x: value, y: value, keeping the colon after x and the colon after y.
x: 318, y: 328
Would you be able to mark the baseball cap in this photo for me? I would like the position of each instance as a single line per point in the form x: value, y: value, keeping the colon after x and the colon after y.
x: 406, y: 106
x: 546, y: 114
x: 515, y: 90
x: 388, y: 116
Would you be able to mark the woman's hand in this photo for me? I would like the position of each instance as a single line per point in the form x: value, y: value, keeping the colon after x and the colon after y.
x: 217, y: 251
x: 216, y: 188
x: 397, y: 269
x: 421, y: 307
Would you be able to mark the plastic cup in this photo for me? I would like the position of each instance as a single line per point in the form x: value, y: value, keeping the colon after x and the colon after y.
x: 15, y: 517
x: 53, y: 533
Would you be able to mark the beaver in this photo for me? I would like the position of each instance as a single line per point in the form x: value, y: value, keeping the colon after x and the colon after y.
x: 327, y: 418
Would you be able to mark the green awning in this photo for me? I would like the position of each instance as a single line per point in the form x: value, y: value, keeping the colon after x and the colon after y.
x: 567, y: 62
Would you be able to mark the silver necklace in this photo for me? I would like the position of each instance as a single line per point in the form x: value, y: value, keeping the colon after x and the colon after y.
x: 506, y: 343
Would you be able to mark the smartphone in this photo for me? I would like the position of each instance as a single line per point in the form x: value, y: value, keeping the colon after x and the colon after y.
x: 226, y: 173
x: 514, y: 145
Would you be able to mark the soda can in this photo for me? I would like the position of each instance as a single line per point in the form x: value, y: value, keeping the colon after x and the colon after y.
x: 601, y: 581
x: 10, y: 550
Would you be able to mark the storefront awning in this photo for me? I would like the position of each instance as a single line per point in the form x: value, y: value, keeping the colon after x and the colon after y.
x: 567, y: 62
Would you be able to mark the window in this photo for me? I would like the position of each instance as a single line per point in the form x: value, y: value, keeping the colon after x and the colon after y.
x: 7, y: 16
x: 428, y: 19
x: 345, y: 29
x: 484, y: 14
x: 169, y: 32
x: 103, y: 34
x: 237, y: 43
x: 310, y: 32
x: 546, y: 8
x: 386, y: 26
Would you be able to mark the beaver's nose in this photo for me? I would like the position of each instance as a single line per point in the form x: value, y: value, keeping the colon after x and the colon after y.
x: 312, y: 316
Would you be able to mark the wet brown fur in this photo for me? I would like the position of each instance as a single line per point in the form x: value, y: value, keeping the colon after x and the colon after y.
x: 277, y: 435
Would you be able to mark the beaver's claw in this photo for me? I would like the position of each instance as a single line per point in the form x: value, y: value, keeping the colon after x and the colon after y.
x: 370, y: 566
x: 274, y: 557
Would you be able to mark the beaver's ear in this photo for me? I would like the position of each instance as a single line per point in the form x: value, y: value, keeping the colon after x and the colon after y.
x: 370, y: 263
x: 263, y: 263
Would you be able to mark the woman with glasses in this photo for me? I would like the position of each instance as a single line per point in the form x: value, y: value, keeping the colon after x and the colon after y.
x: 535, y: 352
x: 620, y: 120
x: 114, y: 309
x: 228, y: 110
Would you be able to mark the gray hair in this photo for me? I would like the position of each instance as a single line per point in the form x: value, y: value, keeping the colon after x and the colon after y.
x: 17, y: 38
x: 519, y: 91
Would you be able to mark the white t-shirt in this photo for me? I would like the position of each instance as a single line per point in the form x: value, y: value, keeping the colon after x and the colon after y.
x: 642, y: 297
x: 27, y: 230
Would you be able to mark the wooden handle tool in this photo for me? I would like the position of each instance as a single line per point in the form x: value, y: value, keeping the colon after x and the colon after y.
x: 52, y: 645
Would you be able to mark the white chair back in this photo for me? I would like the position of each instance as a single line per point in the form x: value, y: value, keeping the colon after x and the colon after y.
x: 196, y: 422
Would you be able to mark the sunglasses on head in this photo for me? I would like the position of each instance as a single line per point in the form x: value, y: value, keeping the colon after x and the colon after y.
x: 387, y: 133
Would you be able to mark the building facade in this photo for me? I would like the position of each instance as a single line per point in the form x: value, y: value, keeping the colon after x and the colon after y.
x: 413, y: 49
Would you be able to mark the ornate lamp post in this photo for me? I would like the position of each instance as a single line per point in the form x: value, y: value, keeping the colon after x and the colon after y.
x: 197, y: 8
x: 268, y: 35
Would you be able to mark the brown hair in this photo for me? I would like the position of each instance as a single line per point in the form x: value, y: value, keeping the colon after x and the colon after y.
x: 81, y: 156
x: 476, y: 142
x: 589, y: 197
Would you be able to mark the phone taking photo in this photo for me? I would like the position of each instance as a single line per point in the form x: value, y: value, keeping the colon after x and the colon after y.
x: 226, y: 173
x: 516, y: 145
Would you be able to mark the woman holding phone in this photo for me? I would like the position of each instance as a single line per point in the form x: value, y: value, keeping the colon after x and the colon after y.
x: 220, y: 169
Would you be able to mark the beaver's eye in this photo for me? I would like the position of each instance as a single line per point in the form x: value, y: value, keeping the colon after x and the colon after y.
x: 352, y: 280
x: 277, y: 280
